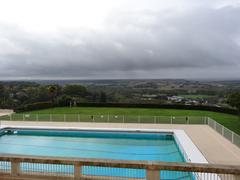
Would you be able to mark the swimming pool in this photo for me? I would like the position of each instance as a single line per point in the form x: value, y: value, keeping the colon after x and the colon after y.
x: 95, y: 144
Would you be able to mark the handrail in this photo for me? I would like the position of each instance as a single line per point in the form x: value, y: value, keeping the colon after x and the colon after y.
x: 149, y: 165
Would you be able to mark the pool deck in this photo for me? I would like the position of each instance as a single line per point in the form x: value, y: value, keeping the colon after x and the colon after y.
x: 213, y: 146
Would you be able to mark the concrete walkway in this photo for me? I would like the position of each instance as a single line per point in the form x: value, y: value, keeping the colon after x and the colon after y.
x: 4, y: 112
x: 213, y: 146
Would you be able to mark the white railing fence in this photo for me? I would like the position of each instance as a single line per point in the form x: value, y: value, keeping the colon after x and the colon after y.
x: 225, y: 132
x: 107, y: 118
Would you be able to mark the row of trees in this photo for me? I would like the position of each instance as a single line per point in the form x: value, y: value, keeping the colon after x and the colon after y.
x: 234, y: 101
x: 17, y: 94
x: 14, y: 95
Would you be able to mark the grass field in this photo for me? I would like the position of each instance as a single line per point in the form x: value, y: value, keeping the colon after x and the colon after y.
x: 230, y: 121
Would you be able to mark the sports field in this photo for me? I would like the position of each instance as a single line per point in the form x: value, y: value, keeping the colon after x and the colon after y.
x: 230, y: 121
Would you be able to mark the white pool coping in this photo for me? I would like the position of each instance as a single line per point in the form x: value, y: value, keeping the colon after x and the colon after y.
x: 189, y: 150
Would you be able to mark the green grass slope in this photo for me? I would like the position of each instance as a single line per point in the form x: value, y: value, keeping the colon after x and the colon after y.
x: 230, y: 121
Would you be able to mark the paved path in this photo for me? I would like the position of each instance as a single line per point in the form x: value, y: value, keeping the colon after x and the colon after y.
x: 4, y: 112
x: 213, y: 146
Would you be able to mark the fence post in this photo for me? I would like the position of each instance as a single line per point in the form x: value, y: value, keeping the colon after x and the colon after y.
x: 153, y: 175
x: 10, y: 117
x: 50, y: 117
x: 222, y: 131
x: 78, y: 118
x: 215, y: 125
x: 233, y: 137
x: 171, y: 119
x: 64, y: 117
x: 15, y: 168
x: 155, y: 121
x: 123, y: 119
x: 36, y: 117
x: 139, y: 119
x: 77, y: 171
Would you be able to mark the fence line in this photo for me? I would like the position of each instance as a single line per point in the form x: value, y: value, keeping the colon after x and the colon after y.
x: 107, y: 118
x: 225, y: 132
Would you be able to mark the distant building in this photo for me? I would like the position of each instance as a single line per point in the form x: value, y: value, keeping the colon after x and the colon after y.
x: 176, y: 98
x: 149, y: 96
x: 192, y: 102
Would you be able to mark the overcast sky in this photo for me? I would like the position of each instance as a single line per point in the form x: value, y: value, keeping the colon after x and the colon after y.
x: 94, y: 39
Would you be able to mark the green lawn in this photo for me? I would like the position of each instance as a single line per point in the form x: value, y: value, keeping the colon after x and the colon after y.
x: 230, y: 121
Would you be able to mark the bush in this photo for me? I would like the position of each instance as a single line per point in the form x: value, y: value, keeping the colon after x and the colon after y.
x: 64, y: 100
x: 35, y: 106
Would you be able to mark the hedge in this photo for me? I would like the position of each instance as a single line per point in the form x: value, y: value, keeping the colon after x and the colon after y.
x: 35, y: 106
x: 162, y: 106
x: 48, y: 104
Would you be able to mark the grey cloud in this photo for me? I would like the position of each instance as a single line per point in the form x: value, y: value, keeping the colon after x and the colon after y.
x: 152, y: 44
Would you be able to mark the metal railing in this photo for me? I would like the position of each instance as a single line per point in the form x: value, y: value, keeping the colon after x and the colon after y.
x: 107, y: 118
x: 225, y: 132
x: 72, y: 168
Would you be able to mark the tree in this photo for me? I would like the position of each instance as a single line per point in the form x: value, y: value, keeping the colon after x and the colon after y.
x: 2, y: 91
x: 2, y: 95
x: 103, y: 97
x: 234, y: 101
x: 75, y: 90
x: 64, y: 100
x: 52, y: 92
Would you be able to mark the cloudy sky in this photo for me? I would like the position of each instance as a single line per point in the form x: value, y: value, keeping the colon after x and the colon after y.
x: 94, y: 39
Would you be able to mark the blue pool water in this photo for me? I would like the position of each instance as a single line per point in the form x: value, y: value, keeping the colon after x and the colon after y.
x: 95, y: 144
